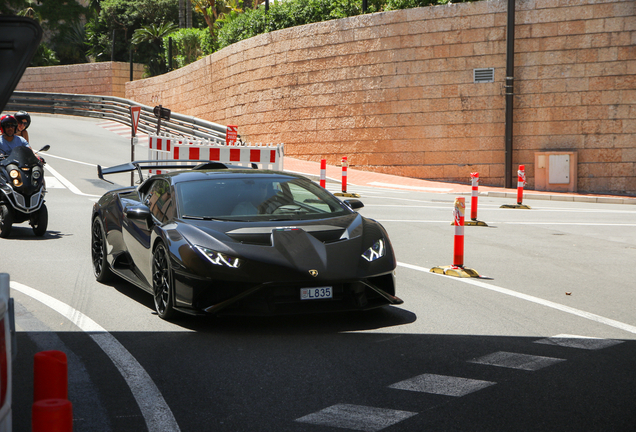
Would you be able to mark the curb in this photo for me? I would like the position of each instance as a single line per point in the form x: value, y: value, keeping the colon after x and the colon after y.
x: 573, y: 198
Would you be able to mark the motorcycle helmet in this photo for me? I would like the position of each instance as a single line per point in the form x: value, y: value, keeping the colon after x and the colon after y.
x: 6, y: 119
x: 23, y: 115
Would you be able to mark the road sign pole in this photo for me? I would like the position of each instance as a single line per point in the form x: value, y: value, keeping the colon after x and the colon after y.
x: 135, y: 112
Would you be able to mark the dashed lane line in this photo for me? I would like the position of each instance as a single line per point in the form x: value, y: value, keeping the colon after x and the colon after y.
x: 442, y: 385
x: 580, y: 342
x: 356, y: 417
x: 516, y: 361
x: 155, y: 410
x: 567, y: 309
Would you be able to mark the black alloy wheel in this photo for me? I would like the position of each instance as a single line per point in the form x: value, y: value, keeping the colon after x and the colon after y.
x: 6, y: 220
x: 162, y: 283
x: 101, y: 269
x: 40, y: 221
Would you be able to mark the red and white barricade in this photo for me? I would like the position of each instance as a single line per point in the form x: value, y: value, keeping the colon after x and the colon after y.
x: 165, y: 147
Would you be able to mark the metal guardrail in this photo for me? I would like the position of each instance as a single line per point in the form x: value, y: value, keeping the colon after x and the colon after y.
x: 116, y: 109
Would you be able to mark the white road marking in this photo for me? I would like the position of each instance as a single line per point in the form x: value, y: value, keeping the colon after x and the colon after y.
x: 419, y: 188
x: 568, y: 223
x: 70, y: 186
x: 587, y: 315
x: 516, y: 361
x: 582, y: 342
x: 494, y: 207
x: 516, y: 223
x: 71, y: 160
x: 442, y: 385
x: 53, y: 183
x: 157, y: 414
x: 356, y: 417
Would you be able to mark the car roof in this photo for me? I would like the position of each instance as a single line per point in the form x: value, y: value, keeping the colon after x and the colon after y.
x: 195, y: 175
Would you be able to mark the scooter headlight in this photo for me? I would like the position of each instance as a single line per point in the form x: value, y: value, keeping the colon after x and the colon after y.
x: 17, y: 178
x: 37, y: 174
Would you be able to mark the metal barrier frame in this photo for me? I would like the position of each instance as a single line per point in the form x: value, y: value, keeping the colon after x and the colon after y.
x: 116, y: 109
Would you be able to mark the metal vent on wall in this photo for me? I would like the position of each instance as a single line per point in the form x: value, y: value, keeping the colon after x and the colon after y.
x: 484, y: 75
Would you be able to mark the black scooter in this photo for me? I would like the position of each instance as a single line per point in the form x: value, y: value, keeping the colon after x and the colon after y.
x: 22, y: 191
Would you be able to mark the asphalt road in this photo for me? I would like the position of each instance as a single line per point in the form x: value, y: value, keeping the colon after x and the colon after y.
x: 545, y: 340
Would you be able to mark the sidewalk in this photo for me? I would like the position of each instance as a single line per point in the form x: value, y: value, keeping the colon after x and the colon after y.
x: 357, y: 177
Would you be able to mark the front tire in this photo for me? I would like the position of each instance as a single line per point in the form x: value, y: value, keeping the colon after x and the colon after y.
x: 40, y: 221
x: 162, y: 283
x: 101, y: 269
x: 6, y: 220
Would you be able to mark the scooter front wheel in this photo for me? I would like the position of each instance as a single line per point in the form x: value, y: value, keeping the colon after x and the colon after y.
x: 40, y: 221
x: 6, y: 220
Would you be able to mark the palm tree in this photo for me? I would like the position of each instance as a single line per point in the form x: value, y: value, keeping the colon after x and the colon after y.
x: 212, y: 10
x: 153, y: 33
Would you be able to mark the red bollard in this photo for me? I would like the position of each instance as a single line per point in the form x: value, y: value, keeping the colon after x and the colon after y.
x: 457, y: 269
x: 52, y: 415
x: 521, y: 182
x: 50, y: 376
x: 345, y: 164
x: 323, y: 173
x: 458, y: 216
x: 474, y: 177
x: 51, y: 410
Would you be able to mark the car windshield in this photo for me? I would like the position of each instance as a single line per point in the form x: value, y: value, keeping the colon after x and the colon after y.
x: 256, y: 198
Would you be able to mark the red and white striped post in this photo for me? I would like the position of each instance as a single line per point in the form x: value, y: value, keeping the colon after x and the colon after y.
x: 458, y: 216
x: 474, y: 177
x: 521, y: 182
x: 345, y: 164
x: 323, y: 173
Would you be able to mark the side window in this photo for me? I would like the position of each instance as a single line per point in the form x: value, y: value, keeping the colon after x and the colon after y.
x: 159, y: 201
x: 299, y: 193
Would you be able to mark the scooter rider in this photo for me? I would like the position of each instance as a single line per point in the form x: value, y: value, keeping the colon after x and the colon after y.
x: 9, y: 139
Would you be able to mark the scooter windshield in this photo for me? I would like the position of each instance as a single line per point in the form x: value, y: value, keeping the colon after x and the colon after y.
x: 21, y: 156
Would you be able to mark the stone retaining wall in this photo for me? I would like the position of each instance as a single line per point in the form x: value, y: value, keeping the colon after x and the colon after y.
x: 394, y: 91
x: 104, y: 79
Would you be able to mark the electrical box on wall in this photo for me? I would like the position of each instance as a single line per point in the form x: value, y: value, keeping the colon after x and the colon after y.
x: 555, y: 171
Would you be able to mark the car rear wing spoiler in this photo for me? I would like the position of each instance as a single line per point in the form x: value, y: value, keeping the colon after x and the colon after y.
x: 180, y: 164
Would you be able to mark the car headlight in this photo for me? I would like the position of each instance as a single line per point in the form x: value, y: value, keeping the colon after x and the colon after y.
x: 219, y: 258
x: 375, y: 252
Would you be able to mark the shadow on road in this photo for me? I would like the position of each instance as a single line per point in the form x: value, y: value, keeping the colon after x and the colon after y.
x: 388, y: 316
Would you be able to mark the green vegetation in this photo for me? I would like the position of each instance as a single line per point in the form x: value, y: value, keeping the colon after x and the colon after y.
x: 106, y: 30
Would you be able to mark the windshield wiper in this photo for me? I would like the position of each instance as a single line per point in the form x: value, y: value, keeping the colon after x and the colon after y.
x: 199, y: 217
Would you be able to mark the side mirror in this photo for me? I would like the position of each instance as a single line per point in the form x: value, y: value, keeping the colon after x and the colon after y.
x: 139, y: 213
x: 354, y: 204
x: 45, y: 148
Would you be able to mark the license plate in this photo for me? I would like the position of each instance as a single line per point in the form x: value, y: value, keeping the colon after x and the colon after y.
x: 316, y: 293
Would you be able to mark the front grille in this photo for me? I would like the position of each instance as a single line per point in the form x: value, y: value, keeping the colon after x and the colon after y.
x: 285, y: 300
